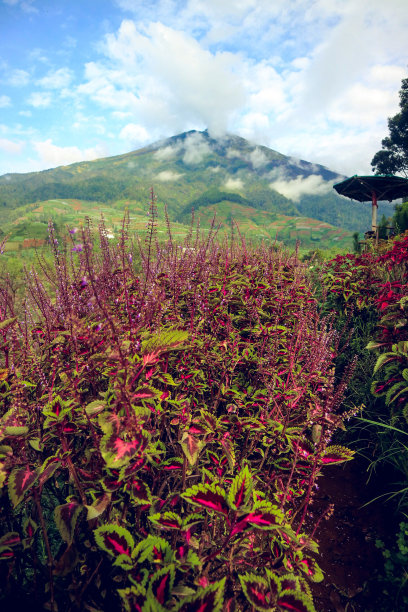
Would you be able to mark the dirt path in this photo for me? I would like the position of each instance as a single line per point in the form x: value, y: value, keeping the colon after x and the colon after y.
x: 348, y: 555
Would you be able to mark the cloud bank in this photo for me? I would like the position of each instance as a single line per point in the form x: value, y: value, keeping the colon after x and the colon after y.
x: 294, y: 189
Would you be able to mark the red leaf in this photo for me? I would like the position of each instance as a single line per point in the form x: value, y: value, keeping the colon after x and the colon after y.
x: 209, y: 496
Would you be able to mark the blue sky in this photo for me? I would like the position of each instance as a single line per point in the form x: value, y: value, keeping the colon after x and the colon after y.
x: 82, y: 79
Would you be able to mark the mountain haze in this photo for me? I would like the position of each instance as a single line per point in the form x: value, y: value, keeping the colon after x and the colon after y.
x: 196, y: 170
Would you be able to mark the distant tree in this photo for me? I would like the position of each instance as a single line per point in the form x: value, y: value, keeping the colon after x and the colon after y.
x: 383, y: 227
x: 356, y: 243
x: 393, y: 157
x: 400, y: 218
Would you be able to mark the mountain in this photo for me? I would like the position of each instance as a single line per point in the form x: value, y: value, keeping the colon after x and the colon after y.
x: 195, y: 170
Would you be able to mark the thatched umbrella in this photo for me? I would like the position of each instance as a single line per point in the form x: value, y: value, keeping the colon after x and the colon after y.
x: 373, y: 189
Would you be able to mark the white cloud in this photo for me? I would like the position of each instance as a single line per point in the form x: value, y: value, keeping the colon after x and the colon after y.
x: 300, y: 186
x: 25, y: 5
x: 40, y: 99
x: 10, y: 146
x: 166, y: 153
x: 258, y: 158
x: 52, y: 155
x: 166, y: 78
x: 196, y: 148
x: 134, y: 133
x: 56, y: 79
x: 168, y: 175
x: 18, y: 78
x: 233, y: 184
x: 5, y: 101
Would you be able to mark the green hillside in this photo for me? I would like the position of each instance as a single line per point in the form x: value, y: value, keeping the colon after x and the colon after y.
x: 189, y: 171
x: 30, y: 229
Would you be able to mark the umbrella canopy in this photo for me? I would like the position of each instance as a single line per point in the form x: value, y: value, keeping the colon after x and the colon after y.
x: 372, y: 189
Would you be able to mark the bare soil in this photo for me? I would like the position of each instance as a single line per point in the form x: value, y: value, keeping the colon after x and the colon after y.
x: 351, y: 563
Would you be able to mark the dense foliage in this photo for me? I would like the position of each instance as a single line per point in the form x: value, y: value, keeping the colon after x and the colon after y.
x: 162, y: 428
x: 393, y: 157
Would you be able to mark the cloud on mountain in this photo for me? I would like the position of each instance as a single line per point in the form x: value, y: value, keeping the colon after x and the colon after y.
x: 168, y: 175
x: 196, y: 148
x: 234, y: 184
x: 294, y: 189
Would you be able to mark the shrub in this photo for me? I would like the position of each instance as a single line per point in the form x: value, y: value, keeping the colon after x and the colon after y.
x: 162, y: 431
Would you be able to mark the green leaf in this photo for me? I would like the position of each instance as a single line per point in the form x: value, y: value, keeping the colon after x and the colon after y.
x: 48, y: 468
x: 395, y: 391
x: 133, y: 597
x: 66, y: 517
x: 228, y: 446
x: 5, y: 451
x: 161, y: 584
x: 382, y: 360
x: 20, y: 481
x: 114, y: 539
x: 7, y: 323
x: 98, y: 507
x: 336, y: 454
x: 10, y: 539
x: 35, y: 443
x: 373, y: 345
x: 191, y: 447
x: 165, y: 340
x: 140, y: 492
x: 153, y: 549
x: 209, y: 599
x: 295, y: 601
x: 311, y: 569
x: 209, y: 496
x: 241, y: 488
x: 258, y: 592
x: 95, y: 408
x: 166, y: 520
x: 117, y: 451
x: 15, y: 431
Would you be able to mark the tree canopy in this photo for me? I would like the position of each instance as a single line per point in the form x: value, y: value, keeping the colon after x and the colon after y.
x: 393, y: 157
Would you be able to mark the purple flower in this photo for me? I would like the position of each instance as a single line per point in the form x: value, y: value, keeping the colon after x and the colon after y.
x: 73, y: 230
x: 77, y: 248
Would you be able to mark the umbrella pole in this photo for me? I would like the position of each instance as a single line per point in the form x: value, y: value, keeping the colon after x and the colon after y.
x: 374, y: 212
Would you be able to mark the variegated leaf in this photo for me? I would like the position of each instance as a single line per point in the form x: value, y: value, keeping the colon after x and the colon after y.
x: 66, y: 517
x: 161, y: 584
x: 140, y: 492
x: 258, y: 592
x: 114, y: 539
x: 153, y: 549
x: 10, y: 539
x: 295, y: 601
x: 337, y: 454
x: 98, y: 507
x: 19, y: 483
x: 210, y: 599
x: 209, y: 496
x: 191, y: 447
x: 133, y: 598
x: 166, y: 520
x: 241, y: 488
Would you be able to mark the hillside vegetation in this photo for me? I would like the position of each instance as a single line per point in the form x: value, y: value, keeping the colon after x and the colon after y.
x: 193, y: 170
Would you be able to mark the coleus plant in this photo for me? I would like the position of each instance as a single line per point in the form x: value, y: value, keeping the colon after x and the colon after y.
x: 162, y: 431
x: 391, y: 342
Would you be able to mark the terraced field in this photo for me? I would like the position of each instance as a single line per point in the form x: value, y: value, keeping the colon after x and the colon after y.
x: 30, y: 229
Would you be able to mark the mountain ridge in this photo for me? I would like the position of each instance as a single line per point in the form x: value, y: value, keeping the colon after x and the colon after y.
x: 185, y: 167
